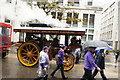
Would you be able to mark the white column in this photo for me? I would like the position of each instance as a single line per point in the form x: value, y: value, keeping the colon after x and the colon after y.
x: 65, y: 2
x: 62, y: 39
x: 118, y: 25
x: 15, y: 36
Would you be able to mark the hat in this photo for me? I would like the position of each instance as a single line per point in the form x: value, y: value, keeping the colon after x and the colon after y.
x: 45, y: 47
x: 63, y: 46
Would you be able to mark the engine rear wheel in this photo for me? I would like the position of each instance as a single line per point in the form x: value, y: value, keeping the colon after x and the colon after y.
x: 68, y: 62
x: 28, y: 54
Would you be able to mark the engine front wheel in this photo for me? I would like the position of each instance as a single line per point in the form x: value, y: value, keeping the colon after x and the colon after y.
x: 28, y: 54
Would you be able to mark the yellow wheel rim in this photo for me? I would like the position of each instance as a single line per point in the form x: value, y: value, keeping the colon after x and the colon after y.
x: 28, y: 54
x: 68, y: 63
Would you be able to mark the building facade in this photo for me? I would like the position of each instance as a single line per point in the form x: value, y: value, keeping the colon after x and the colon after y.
x: 80, y: 14
x: 77, y: 13
x: 110, y: 24
x: 9, y: 20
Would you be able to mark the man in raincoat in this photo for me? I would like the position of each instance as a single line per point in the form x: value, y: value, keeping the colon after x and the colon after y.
x: 43, y: 64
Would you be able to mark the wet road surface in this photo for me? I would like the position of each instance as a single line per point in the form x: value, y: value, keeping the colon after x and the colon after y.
x: 11, y: 68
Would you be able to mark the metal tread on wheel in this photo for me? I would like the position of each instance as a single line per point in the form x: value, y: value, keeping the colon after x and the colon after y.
x: 68, y: 62
x: 28, y: 54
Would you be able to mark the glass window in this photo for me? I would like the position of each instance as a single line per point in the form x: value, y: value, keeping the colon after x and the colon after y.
x: 76, y: 2
x: 53, y: 14
x: 54, y: 0
x: 9, y: 1
x: 69, y: 16
x: 75, y: 17
x: 70, y: 3
x: 4, y: 31
x: 90, y: 37
x: 91, y: 20
x: 73, y: 2
x: 75, y: 25
x: 59, y: 16
x: 70, y: 0
x: 89, y: 3
x: 60, y: 2
x: 85, y: 20
x: 7, y: 20
x: 84, y: 37
x: 91, y: 31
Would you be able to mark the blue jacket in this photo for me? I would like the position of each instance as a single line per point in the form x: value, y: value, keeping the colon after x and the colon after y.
x: 60, y: 57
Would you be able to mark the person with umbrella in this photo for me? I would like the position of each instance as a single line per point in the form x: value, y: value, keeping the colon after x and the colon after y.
x: 100, y: 61
x: 89, y: 64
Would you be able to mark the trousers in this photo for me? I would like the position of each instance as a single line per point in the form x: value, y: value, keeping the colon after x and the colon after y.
x: 59, y: 66
x: 87, y: 75
x: 101, y: 73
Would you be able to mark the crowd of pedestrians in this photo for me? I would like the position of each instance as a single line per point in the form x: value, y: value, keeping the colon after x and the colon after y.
x: 94, y: 62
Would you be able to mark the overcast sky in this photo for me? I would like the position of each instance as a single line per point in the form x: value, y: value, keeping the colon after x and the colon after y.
x: 103, y: 2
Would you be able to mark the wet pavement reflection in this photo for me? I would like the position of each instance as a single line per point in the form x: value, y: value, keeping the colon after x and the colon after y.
x: 11, y: 68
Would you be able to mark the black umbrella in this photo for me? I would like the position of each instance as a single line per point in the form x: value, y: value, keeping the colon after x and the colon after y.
x: 95, y: 43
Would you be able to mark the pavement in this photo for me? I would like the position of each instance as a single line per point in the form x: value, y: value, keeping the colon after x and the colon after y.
x: 12, y: 69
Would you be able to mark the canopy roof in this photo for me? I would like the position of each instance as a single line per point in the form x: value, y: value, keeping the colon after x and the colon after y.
x: 5, y: 25
x: 61, y: 31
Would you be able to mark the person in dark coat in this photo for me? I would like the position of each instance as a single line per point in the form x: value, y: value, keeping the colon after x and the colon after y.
x: 116, y: 56
x: 100, y: 61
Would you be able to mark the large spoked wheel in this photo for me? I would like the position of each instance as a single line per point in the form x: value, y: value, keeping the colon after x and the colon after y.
x: 28, y: 54
x: 68, y: 62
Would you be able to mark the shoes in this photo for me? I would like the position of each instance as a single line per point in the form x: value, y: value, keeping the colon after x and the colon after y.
x: 76, y: 63
x: 39, y: 78
x: 65, y: 78
x: 52, y: 75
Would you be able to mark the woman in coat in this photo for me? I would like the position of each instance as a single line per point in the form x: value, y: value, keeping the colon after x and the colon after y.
x: 100, y: 61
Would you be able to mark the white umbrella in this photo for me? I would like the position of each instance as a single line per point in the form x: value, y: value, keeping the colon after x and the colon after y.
x: 95, y: 43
